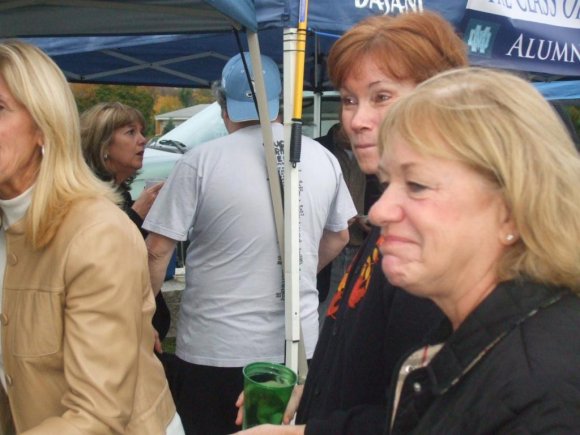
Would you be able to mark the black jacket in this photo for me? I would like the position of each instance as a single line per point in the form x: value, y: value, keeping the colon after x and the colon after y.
x: 512, y: 367
x: 162, y: 316
x: 367, y: 331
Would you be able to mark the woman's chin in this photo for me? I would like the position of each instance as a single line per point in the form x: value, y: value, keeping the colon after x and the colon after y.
x: 397, y: 272
x: 393, y: 272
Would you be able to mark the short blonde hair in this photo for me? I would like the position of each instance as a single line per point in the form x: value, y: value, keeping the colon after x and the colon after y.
x: 37, y: 83
x: 501, y: 126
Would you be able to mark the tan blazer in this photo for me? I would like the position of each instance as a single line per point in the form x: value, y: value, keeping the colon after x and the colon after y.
x: 77, y: 340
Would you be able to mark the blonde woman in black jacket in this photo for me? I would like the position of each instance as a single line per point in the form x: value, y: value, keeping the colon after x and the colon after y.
x: 481, y: 214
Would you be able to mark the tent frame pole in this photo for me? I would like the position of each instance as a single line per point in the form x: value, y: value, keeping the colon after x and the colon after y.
x: 266, y: 125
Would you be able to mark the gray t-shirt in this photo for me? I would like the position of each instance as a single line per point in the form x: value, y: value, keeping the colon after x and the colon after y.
x: 218, y: 198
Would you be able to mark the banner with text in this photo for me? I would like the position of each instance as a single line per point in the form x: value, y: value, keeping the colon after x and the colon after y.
x: 541, y: 36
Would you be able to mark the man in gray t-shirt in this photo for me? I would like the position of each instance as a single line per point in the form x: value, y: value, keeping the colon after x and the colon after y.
x: 217, y: 197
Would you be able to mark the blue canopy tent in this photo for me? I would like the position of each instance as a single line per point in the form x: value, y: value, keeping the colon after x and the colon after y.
x: 188, y: 42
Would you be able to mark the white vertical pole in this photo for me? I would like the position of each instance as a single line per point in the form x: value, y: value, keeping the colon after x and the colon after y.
x: 291, y: 210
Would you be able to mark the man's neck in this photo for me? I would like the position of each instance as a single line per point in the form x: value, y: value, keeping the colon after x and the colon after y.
x: 232, y: 126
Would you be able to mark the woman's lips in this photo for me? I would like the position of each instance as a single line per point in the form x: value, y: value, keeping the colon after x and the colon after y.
x: 364, y: 146
x: 391, y: 241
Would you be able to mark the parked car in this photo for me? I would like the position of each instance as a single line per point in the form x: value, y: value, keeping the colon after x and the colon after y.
x: 204, y: 126
x: 157, y: 164
x: 172, y: 146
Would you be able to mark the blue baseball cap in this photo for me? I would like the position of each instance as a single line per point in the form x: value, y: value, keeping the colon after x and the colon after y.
x: 239, y: 99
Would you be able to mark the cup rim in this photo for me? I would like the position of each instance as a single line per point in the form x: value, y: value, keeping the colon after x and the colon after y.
x: 277, y: 366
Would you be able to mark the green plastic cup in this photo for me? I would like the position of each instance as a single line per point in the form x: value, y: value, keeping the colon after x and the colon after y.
x: 267, y: 390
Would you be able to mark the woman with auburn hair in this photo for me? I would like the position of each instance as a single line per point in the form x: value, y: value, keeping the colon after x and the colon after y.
x: 77, y: 341
x: 481, y: 215
x: 381, y: 59
x: 370, y: 324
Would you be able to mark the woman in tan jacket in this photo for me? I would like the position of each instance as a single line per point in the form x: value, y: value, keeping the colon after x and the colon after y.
x: 77, y: 341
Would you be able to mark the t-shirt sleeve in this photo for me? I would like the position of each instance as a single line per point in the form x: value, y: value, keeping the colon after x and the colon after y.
x: 342, y: 208
x: 174, y: 210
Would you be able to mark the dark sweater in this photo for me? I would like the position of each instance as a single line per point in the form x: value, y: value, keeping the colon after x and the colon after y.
x: 370, y: 325
x: 162, y: 317
x: 512, y: 367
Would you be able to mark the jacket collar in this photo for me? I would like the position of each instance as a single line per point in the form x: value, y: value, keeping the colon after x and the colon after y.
x: 17, y: 229
x: 510, y: 304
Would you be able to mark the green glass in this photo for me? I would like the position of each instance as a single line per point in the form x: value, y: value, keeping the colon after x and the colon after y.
x: 267, y: 390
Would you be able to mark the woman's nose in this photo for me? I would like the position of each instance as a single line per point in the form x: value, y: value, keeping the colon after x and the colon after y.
x: 387, y: 209
x: 362, y: 117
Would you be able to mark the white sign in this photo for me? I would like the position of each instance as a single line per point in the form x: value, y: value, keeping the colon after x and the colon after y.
x: 562, y: 13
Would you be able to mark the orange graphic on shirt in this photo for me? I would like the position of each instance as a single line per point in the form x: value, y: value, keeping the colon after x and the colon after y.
x: 361, y: 284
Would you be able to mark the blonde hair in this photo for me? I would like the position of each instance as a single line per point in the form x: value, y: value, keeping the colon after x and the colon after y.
x: 37, y: 83
x: 502, y: 127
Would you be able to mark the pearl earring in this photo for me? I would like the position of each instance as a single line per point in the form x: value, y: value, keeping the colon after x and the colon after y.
x: 106, y: 156
x: 510, y: 237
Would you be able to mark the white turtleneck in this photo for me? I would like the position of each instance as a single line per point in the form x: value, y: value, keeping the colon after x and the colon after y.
x: 11, y: 210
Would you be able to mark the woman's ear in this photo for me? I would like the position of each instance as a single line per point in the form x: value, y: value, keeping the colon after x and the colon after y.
x: 39, y: 138
x: 508, y: 233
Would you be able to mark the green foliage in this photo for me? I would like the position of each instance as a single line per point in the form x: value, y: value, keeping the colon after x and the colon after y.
x: 185, y: 97
x: 574, y: 112
x: 135, y: 96
x: 149, y: 100
x: 201, y: 96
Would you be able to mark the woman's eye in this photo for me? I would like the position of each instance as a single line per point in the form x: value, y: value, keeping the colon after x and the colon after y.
x: 382, y: 98
x: 347, y: 101
x: 415, y: 187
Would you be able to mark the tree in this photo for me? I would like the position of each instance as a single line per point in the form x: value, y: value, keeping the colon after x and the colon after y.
x: 201, y: 96
x: 574, y: 112
x: 149, y: 100
x: 191, y: 97
x: 84, y: 95
x: 135, y: 96
x: 185, y: 97
x: 167, y: 103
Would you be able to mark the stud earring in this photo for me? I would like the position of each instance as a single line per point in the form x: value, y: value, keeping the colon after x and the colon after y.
x: 42, y: 150
x: 106, y: 156
x: 510, y: 237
